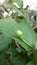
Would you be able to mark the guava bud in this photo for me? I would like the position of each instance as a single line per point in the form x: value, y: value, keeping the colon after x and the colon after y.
x: 19, y: 33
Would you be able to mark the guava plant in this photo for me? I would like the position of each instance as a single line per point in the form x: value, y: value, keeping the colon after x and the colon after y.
x: 18, y: 40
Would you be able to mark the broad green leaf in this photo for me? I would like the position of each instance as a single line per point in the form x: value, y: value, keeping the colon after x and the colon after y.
x: 8, y: 26
x: 4, y: 41
x: 28, y: 32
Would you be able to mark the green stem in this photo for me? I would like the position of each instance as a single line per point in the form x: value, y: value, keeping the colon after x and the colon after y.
x: 26, y: 43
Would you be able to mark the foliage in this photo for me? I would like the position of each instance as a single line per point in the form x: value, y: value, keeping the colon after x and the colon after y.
x: 15, y: 49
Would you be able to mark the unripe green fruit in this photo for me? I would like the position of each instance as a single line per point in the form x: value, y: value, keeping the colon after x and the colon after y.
x: 19, y: 33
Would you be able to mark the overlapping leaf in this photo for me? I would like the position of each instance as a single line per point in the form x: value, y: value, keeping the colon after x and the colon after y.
x: 28, y: 32
x: 9, y: 27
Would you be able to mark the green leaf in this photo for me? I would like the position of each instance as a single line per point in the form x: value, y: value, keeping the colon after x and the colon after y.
x: 4, y: 41
x: 28, y: 32
x: 3, y: 56
x: 18, y: 1
x: 9, y: 27
x: 24, y: 45
x: 17, y: 58
x: 17, y: 10
x: 31, y: 63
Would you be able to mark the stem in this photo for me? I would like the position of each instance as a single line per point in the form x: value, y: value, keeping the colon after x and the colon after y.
x: 27, y: 43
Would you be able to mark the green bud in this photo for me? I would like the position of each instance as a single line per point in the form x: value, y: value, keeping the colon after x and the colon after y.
x: 19, y: 33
